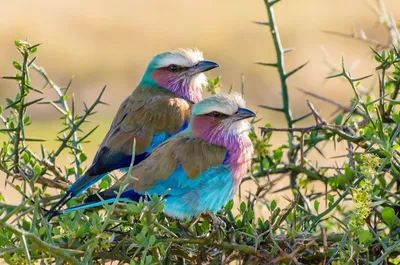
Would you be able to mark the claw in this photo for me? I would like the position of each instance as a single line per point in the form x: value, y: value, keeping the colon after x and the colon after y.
x: 182, y: 229
x: 216, y: 221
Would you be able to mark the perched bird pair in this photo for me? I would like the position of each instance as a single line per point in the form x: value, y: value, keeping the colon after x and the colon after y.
x: 199, y: 153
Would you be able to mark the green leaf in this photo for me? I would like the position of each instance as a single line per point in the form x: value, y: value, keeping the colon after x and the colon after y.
x: 27, y: 119
x: 82, y: 157
x: 265, y: 163
x: 26, y: 225
x: 388, y: 216
x: 94, y: 230
x: 229, y: 206
x: 349, y: 173
x: 277, y: 154
x: 339, y: 119
x: 250, y: 230
x: 316, y: 205
x: 133, y: 208
x: 37, y: 170
x: 152, y: 240
x: 291, y: 216
x: 26, y: 158
x: 149, y: 260
x: 105, y: 183
x: 70, y: 171
x: 242, y: 207
x: 9, y: 101
x: 17, y: 43
x: 396, y: 117
x: 273, y: 205
x: 275, y: 215
x: 17, y: 65
x: 364, y: 236
x: 42, y: 230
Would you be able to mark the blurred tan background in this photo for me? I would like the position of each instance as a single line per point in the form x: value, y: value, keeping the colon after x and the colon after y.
x: 103, y: 42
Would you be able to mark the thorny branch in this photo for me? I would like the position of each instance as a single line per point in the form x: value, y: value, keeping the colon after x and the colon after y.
x: 289, y: 236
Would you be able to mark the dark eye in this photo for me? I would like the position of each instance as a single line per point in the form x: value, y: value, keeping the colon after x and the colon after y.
x: 216, y: 114
x: 173, y: 67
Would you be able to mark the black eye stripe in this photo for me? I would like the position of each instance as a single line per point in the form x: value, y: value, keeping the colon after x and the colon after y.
x: 175, y: 68
x: 217, y: 115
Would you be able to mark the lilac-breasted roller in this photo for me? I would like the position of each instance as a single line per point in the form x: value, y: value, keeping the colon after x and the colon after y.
x: 201, y: 166
x: 157, y: 109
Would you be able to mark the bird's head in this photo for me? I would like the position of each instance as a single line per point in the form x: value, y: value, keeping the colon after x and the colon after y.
x: 180, y: 71
x: 219, y: 117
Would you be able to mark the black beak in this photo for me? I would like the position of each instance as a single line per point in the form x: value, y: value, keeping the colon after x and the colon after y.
x: 204, y: 66
x: 243, y: 113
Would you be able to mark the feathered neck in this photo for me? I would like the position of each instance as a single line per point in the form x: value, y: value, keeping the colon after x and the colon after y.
x: 189, y: 88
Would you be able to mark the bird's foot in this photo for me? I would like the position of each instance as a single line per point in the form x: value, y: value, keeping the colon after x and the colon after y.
x: 182, y: 229
x: 216, y: 221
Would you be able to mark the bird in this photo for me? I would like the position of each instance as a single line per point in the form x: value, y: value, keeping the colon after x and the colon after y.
x: 157, y: 109
x: 199, y: 169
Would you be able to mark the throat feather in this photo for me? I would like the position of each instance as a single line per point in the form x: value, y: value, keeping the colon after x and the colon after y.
x: 239, y: 146
x: 187, y: 87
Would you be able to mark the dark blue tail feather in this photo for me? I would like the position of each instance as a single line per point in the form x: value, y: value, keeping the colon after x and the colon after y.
x: 85, y: 182
x: 95, y: 201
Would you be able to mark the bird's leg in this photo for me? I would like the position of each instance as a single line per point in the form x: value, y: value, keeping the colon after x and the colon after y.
x: 216, y: 222
x: 194, y: 222
x: 181, y: 229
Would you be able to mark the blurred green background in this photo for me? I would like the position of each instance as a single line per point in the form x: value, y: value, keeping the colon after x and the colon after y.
x: 110, y: 43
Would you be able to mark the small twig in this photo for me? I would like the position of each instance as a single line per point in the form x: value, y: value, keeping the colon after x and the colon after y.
x: 41, y: 180
x: 282, y: 253
x: 393, y: 97
x: 325, y: 242
x: 362, y: 36
x: 292, y: 255
x: 340, y: 106
x: 76, y: 126
x: 19, y: 132
x: 301, y: 130
x: 331, y: 101
x: 320, y: 124
x: 287, y: 168
x: 302, y: 148
x: 381, y: 80
x: 224, y: 245
x: 318, y: 119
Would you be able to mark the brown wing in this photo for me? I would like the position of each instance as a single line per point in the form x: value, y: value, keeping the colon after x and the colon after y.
x: 139, y: 117
x: 194, y: 154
